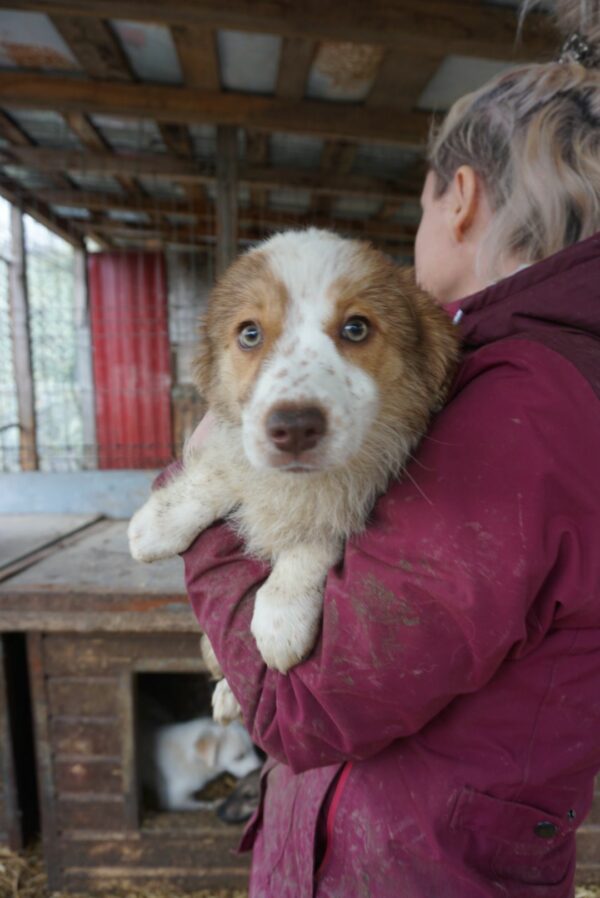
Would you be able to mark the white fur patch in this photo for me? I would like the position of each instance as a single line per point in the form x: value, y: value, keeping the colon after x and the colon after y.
x: 305, y: 366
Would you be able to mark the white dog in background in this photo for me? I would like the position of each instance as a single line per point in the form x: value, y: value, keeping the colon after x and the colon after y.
x: 322, y: 363
x: 184, y: 757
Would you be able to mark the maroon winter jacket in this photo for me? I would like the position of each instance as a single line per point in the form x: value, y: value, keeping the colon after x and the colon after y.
x: 444, y: 734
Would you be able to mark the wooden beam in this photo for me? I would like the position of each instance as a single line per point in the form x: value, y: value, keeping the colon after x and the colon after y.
x: 92, y: 138
x: 13, y: 132
x: 83, y: 365
x: 253, y: 224
x: 265, y: 177
x: 337, y: 158
x: 177, y: 139
x: 197, y: 51
x: 446, y: 26
x: 21, y: 343
x: 95, y: 46
x: 296, y: 59
x: 183, y: 105
x: 227, y: 198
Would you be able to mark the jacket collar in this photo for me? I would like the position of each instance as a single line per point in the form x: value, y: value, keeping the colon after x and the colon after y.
x: 563, y: 290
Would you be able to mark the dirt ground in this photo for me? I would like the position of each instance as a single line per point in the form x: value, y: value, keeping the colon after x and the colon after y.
x: 22, y: 876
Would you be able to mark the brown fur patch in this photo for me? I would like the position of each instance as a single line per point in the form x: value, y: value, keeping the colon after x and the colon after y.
x: 248, y: 291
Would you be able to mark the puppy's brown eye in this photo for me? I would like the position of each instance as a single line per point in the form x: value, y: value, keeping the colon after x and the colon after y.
x: 356, y: 329
x: 250, y: 335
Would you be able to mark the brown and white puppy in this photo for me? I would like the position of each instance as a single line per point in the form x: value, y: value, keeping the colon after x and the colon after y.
x: 322, y: 362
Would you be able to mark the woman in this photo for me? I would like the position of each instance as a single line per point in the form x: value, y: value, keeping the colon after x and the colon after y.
x: 443, y: 738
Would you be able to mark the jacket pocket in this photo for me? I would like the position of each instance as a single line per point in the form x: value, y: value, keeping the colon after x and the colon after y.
x: 514, y: 841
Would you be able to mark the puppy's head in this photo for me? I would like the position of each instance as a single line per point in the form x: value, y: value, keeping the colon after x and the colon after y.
x: 313, y: 343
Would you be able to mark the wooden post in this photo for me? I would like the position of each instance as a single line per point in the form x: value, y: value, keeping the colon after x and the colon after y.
x: 21, y: 341
x: 227, y: 197
x: 83, y: 361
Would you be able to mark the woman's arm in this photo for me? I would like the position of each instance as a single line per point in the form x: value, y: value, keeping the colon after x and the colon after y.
x: 433, y: 596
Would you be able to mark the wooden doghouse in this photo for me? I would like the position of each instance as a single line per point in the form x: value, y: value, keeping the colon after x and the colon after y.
x: 100, y: 629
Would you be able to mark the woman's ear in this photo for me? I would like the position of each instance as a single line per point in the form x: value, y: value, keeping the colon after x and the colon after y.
x: 465, y: 201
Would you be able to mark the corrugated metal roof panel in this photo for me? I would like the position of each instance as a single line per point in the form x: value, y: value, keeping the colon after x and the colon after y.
x: 343, y: 71
x: 29, y: 40
x: 31, y: 180
x: 382, y: 160
x: 71, y: 212
x: 456, y: 76
x: 150, y: 50
x: 295, y: 150
x: 45, y: 127
x: 355, y: 206
x: 129, y: 316
x: 94, y: 182
x: 289, y: 200
x: 249, y: 62
x: 128, y: 216
x: 130, y: 135
x: 161, y: 188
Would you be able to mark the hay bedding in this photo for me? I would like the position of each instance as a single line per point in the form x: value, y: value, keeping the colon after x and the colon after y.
x: 22, y: 876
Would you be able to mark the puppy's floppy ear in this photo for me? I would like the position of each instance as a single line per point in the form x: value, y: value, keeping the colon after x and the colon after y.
x: 438, y: 340
x: 207, y: 747
x: 203, y: 362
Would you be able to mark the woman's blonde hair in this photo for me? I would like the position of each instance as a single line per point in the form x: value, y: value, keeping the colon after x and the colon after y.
x: 532, y: 134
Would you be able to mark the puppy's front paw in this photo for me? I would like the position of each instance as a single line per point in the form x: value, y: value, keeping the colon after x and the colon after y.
x: 224, y: 704
x: 147, y: 541
x: 285, y: 627
x: 158, y: 530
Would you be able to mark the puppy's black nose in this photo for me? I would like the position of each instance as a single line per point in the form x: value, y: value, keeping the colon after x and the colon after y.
x: 295, y: 429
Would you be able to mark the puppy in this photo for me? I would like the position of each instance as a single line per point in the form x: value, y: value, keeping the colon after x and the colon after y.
x: 322, y: 363
x: 186, y: 756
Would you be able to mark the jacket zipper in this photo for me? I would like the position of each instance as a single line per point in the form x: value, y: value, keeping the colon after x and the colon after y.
x: 335, y: 800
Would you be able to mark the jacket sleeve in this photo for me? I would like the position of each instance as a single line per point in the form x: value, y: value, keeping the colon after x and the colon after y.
x: 446, y: 581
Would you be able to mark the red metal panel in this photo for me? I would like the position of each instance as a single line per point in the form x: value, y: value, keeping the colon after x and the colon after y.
x: 129, y: 317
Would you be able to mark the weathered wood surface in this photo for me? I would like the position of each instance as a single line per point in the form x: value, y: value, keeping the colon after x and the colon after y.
x: 93, y: 584
x: 21, y: 534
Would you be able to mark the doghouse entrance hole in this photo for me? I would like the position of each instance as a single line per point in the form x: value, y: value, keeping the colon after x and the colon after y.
x: 162, y: 699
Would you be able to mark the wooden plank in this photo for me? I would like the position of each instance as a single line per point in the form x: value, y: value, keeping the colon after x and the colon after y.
x: 24, y: 534
x: 296, y: 59
x: 188, y: 106
x: 97, y: 812
x: 97, y: 775
x: 21, y: 344
x: 95, y: 46
x: 93, y: 139
x: 453, y: 26
x: 261, y: 176
x: 13, y: 132
x: 43, y: 753
x: 91, y: 696
x: 119, y: 653
x: 227, y: 198
x: 197, y: 51
x: 195, y: 876
x: 83, y: 365
x: 73, y: 737
x: 212, y: 848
